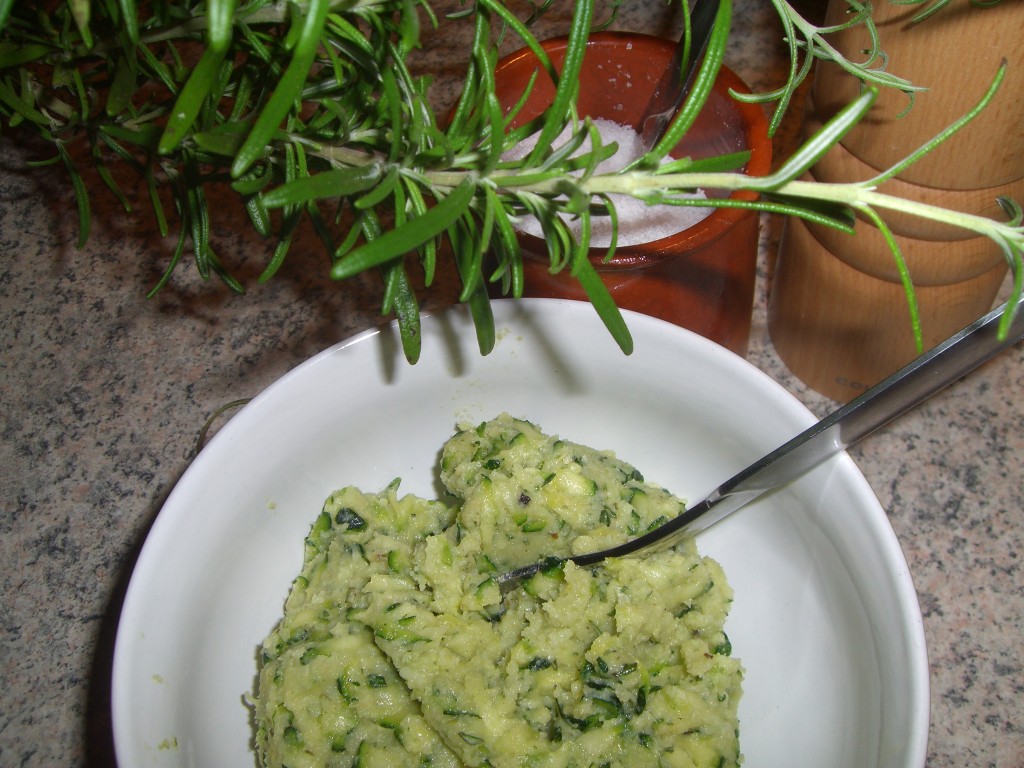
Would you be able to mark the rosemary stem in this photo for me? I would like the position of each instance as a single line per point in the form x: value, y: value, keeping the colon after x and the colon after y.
x: 853, y: 194
x: 857, y: 196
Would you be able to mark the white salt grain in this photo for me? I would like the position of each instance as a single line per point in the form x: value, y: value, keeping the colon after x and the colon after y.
x: 638, y: 222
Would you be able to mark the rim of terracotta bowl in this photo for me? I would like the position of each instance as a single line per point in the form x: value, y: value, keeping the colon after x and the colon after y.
x: 721, y: 220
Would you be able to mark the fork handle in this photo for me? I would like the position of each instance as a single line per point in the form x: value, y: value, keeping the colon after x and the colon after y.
x: 911, y: 385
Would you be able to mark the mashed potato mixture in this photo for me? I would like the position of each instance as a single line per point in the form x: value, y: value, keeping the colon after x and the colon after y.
x: 397, y: 649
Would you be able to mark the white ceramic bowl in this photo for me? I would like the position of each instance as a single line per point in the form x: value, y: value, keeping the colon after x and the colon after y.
x: 825, y: 619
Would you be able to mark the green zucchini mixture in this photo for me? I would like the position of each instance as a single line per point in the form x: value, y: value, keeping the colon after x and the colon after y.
x: 397, y: 649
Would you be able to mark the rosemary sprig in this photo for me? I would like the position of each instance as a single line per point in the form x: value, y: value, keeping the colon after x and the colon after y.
x: 807, y: 43
x: 310, y: 110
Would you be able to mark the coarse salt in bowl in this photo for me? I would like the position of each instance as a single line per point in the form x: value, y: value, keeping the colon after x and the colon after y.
x: 637, y: 222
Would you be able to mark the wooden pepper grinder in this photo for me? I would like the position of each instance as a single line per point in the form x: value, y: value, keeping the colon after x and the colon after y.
x: 837, y: 312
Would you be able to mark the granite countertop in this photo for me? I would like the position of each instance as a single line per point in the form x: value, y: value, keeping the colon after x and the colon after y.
x: 104, y: 392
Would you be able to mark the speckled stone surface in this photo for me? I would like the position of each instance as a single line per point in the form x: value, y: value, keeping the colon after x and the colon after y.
x: 104, y: 392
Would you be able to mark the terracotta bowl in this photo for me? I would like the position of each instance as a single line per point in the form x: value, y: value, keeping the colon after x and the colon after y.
x: 701, y: 278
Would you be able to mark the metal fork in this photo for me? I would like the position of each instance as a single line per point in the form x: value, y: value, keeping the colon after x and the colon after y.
x: 931, y: 372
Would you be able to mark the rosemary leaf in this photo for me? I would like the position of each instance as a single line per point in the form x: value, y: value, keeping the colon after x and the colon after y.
x: 703, y: 84
x: 12, y: 55
x: 341, y: 182
x: 466, y: 242
x: 393, y: 102
x: 122, y: 87
x: 522, y: 30
x: 255, y: 180
x: 510, y: 252
x: 144, y: 137
x: 21, y: 107
x: 605, y: 306
x: 901, y: 268
x: 287, y: 89
x: 5, y: 11
x: 129, y: 20
x: 613, y: 215
x: 225, y: 140
x: 401, y: 299
x: 380, y: 192
x: 81, y: 11
x: 320, y: 226
x: 81, y: 196
x: 179, y: 249
x: 190, y: 100
x: 155, y: 202
x: 568, y: 82
x: 220, y: 16
x: 258, y: 215
x: 717, y: 164
x: 483, y: 320
x: 105, y: 176
x: 400, y: 241
x: 218, y: 269
x: 197, y: 214
x: 419, y: 208
x: 366, y: 225
x: 826, y: 137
